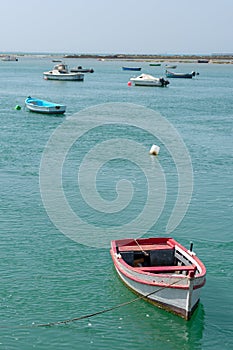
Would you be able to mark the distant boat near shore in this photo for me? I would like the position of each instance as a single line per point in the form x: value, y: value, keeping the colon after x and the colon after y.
x: 82, y: 70
x: 132, y: 68
x: 202, y: 61
x: 170, y: 66
x: 9, y: 58
x: 155, y: 64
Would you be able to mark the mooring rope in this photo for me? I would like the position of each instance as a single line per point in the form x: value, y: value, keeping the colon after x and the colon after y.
x: 105, y: 310
x: 142, y: 250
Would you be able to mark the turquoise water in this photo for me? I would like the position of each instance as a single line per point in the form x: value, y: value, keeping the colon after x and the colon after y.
x: 48, y: 277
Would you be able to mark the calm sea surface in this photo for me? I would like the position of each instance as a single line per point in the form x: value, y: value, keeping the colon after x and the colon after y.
x: 48, y: 277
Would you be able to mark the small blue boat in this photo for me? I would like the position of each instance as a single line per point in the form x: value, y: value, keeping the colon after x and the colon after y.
x: 41, y: 106
x: 132, y: 68
x: 180, y: 75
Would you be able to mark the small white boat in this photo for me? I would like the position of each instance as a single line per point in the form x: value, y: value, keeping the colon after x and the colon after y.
x: 162, y: 271
x: 149, y: 80
x: 170, y: 66
x: 9, y: 58
x: 61, y: 72
x: 42, y: 106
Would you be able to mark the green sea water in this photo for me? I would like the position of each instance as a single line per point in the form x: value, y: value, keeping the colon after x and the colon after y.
x: 46, y: 276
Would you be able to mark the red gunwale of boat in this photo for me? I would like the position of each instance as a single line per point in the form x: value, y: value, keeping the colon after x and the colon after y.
x: 144, y: 244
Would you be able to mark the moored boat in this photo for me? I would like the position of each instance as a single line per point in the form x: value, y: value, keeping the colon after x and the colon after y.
x: 42, y: 106
x: 162, y: 271
x: 170, y: 66
x: 82, y: 70
x: 149, y: 80
x: 132, y: 68
x: 155, y: 64
x: 61, y: 72
x: 9, y: 58
x: 170, y: 74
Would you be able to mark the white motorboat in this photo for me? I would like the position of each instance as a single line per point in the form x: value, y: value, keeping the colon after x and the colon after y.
x: 149, y: 80
x: 61, y: 72
x: 9, y: 58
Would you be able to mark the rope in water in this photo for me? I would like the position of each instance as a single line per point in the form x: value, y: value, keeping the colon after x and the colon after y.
x: 105, y: 310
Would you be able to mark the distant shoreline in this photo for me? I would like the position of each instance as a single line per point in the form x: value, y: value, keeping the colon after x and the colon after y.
x: 154, y: 57
x: 213, y: 58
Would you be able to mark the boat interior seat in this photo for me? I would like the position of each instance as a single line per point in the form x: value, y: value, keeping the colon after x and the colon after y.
x: 164, y: 257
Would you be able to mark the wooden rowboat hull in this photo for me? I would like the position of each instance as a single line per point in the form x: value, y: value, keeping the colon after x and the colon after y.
x: 175, y: 288
x: 164, y: 298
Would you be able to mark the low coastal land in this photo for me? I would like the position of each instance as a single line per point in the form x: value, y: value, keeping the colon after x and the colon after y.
x: 213, y: 58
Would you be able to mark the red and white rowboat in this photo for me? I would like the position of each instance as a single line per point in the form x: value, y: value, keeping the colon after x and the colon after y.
x: 162, y: 271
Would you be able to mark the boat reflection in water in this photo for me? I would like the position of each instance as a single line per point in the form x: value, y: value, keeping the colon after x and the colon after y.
x: 173, y: 330
x: 165, y: 330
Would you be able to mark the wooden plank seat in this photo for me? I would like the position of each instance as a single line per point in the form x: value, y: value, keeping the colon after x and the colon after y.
x: 165, y: 268
x: 146, y: 247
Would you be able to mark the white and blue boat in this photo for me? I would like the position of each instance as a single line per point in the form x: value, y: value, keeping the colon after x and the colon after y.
x: 170, y: 74
x: 41, y: 106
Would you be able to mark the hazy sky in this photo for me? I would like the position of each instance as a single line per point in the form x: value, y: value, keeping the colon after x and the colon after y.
x: 117, y: 26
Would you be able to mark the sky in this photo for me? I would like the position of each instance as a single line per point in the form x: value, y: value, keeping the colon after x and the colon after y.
x: 117, y: 26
